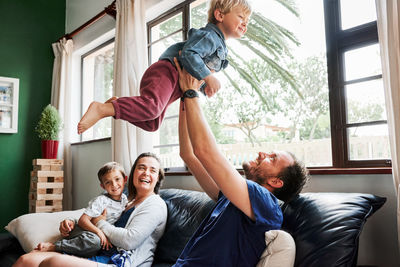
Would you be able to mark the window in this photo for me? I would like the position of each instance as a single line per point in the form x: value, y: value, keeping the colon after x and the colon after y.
x: 277, y: 94
x: 97, y: 84
x: 360, y: 135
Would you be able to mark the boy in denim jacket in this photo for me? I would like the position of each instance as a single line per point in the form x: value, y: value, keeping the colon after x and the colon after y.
x: 202, y: 54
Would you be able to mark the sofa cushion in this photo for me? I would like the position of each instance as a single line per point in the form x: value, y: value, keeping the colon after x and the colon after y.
x: 326, y: 226
x: 186, y: 210
x: 280, y: 251
x: 33, y: 228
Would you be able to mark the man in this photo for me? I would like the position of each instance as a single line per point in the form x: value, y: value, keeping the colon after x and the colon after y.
x: 233, y: 233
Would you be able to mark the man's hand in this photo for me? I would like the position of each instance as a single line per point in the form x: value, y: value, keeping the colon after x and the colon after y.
x: 103, y: 216
x: 213, y: 85
x: 186, y: 81
x: 66, y: 227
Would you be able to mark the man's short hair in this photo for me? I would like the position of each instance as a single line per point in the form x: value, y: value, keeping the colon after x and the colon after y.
x: 226, y: 6
x: 294, y: 177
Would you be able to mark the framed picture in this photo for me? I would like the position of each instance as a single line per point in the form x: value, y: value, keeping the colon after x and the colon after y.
x: 9, y: 88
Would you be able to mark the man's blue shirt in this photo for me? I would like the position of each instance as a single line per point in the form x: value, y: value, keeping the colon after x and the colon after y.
x: 204, y: 50
x: 227, y: 237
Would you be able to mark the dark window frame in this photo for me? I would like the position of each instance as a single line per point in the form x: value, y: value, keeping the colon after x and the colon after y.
x: 339, y: 41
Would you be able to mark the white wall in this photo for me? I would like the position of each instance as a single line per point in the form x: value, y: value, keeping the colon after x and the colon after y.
x: 87, y: 159
x: 378, y: 242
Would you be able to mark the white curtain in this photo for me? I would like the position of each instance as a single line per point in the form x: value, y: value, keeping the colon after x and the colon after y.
x: 130, y: 62
x: 388, y: 12
x: 61, y: 99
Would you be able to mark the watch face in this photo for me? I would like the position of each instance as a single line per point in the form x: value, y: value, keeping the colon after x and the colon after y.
x: 191, y: 93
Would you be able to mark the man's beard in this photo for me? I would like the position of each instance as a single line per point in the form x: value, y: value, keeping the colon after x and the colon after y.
x: 251, y: 173
x: 248, y: 171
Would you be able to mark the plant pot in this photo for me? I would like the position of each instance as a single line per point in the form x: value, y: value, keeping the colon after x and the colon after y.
x: 49, y: 149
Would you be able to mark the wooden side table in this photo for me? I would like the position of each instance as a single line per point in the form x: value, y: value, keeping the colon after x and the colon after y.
x: 47, y: 182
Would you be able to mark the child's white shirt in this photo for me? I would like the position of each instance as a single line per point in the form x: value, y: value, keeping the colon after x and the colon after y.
x: 114, y: 207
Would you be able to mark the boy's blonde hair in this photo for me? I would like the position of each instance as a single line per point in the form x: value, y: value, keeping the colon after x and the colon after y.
x: 226, y: 6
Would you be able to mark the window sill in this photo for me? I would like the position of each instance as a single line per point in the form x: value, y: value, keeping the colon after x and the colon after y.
x: 92, y: 141
x: 319, y: 171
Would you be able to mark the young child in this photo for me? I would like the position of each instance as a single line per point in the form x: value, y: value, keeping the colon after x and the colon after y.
x: 202, y: 54
x: 86, y: 239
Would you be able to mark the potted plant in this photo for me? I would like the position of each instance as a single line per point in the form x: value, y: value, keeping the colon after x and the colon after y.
x: 48, y: 128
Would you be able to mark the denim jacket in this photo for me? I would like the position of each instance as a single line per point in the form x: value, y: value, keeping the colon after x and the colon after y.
x: 205, y: 50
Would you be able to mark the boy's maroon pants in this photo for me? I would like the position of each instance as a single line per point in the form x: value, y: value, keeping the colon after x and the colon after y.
x: 159, y: 87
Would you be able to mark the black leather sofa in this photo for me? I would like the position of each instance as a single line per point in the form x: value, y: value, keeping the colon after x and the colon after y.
x: 325, y: 226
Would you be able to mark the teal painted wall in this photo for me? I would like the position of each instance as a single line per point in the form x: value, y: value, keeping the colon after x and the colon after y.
x: 27, y: 30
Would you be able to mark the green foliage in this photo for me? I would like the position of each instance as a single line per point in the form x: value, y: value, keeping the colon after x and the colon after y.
x: 49, y: 124
x: 364, y: 112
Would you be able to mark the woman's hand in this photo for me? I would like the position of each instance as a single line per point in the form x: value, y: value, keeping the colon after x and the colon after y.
x: 186, y: 81
x: 103, y: 216
x: 66, y: 226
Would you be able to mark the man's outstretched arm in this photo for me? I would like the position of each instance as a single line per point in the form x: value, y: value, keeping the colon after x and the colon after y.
x: 228, y: 180
x: 192, y: 162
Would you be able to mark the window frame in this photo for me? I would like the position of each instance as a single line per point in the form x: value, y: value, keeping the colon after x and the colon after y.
x: 338, y: 42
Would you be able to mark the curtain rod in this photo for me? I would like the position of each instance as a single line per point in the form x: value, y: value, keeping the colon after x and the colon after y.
x: 109, y: 10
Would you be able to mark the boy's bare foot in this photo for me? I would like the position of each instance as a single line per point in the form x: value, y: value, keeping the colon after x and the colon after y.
x: 46, y: 246
x: 95, y: 112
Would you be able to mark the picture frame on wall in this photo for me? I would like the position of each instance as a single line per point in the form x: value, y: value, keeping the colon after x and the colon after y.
x: 9, y: 93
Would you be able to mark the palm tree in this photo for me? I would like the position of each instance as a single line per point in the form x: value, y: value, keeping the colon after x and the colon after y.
x: 269, y: 42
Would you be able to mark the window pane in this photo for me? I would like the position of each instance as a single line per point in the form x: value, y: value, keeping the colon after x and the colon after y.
x: 365, y: 102
x: 357, y: 12
x: 173, y: 109
x: 198, y: 13
x: 97, y: 76
x: 166, y: 140
x: 169, y: 157
x: 362, y: 62
x: 158, y: 48
x: 169, y: 131
x: 167, y: 27
x: 369, y: 142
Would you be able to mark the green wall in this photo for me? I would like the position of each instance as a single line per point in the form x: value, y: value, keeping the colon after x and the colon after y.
x: 27, y: 30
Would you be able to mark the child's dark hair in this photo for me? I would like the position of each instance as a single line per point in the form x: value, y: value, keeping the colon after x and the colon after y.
x: 110, y: 166
x: 161, y: 175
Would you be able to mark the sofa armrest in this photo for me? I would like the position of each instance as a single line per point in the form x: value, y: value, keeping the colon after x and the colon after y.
x: 326, y: 226
x: 10, y: 250
x: 9, y: 243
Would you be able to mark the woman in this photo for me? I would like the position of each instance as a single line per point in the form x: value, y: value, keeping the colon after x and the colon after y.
x: 135, y: 234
